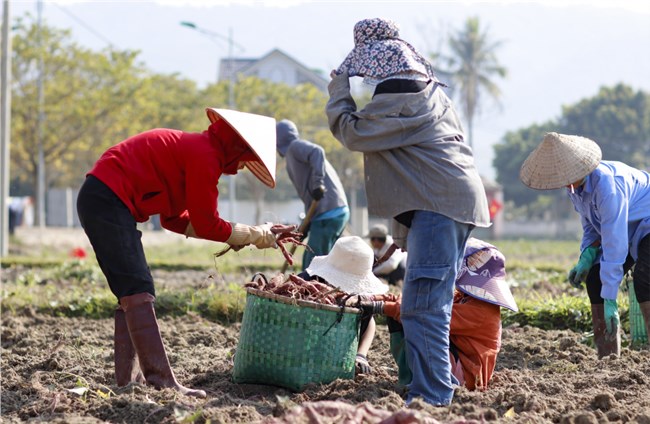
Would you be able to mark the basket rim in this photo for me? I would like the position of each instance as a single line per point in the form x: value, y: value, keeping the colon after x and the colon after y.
x: 299, y: 302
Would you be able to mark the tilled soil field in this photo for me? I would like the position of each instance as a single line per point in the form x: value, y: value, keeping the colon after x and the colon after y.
x: 61, y: 370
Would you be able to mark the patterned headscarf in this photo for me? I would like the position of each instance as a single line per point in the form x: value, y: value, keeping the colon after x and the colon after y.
x: 379, y: 53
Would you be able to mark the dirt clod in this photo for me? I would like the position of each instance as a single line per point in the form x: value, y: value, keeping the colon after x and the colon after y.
x: 603, y: 401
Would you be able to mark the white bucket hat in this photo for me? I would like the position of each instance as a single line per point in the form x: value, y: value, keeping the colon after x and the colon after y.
x: 259, y: 133
x: 348, y: 267
x: 483, y: 274
x: 560, y: 160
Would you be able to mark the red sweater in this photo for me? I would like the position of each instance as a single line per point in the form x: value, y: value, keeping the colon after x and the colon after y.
x: 171, y: 173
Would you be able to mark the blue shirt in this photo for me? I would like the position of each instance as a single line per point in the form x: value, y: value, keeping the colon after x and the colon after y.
x: 614, y: 206
x: 332, y: 213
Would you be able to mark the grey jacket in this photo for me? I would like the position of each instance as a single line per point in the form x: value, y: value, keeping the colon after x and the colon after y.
x: 414, y: 156
x: 308, y: 168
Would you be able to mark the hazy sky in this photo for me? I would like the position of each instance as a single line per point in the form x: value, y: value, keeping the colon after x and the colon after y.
x: 556, y: 52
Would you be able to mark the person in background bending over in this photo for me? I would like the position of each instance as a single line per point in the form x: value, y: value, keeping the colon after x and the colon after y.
x: 174, y: 174
x: 613, y: 200
x: 393, y: 268
x: 315, y: 180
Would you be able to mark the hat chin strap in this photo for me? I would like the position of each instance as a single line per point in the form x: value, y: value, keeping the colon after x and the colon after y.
x: 572, y: 188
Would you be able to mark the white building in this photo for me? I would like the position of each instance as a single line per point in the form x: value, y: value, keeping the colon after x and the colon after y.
x: 276, y: 66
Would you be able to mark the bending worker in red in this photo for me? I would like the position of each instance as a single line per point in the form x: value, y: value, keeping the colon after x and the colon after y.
x: 174, y: 174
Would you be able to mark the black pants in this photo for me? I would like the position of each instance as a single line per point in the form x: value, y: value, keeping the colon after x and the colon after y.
x: 117, y: 243
x: 640, y: 275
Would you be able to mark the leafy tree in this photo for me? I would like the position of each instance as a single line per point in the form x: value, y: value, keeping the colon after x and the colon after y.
x: 167, y: 101
x: 84, y: 91
x: 473, y: 66
x: 617, y: 118
x: 94, y: 100
x: 510, y: 153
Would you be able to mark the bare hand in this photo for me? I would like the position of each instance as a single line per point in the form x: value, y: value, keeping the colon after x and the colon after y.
x: 333, y: 74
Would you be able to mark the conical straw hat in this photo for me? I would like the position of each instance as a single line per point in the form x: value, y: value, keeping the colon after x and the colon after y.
x: 560, y: 160
x: 259, y: 133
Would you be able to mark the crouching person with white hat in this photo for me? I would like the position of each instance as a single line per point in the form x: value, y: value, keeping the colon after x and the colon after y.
x: 174, y: 174
x: 613, y: 200
x: 348, y: 267
x: 475, y: 326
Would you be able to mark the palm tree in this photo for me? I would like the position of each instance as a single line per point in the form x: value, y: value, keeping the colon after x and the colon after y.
x: 473, y: 64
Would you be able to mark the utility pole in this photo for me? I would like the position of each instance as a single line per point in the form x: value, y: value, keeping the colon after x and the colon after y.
x: 40, y: 121
x: 232, y: 188
x: 232, y: 183
x: 231, y: 71
x: 5, y: 128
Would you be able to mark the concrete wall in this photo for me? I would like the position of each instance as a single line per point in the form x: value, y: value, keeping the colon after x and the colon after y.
x: 566, y: 229
x: 61, y: 212
x: 61, y: 208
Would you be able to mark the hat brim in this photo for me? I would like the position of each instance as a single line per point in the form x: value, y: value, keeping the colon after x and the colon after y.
x: 488, y: 282
x: 359, y: 284
x: 491, y: 290
x: 258, y: 132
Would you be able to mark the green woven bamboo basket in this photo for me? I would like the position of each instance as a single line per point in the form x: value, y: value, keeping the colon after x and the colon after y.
x: 289, y: 343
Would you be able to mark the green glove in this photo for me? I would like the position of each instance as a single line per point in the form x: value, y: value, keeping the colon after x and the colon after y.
x: 579, y: 272
x: 612, y: 321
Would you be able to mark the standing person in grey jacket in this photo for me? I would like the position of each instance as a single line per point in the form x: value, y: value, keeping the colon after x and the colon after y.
x: 315, y: 180
x: 420, y: 172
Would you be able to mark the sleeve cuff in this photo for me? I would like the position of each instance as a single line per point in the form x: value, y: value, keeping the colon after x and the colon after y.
x: 609, y: 291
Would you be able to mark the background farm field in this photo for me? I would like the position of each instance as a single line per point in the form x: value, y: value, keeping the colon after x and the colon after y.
x: 57, y: 330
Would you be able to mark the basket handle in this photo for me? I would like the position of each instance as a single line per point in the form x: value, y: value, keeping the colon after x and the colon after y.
x: 339, y: 314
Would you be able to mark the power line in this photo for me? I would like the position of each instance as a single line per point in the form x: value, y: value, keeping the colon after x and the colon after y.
x: 85, y: 25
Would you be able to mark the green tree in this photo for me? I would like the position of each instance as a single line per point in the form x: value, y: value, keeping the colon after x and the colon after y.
x: 167, y: 101
x: 617, y: 118
x: 510, y: 153
x: 94, y: 100
x: 473, y: 66
x: 84, y: 92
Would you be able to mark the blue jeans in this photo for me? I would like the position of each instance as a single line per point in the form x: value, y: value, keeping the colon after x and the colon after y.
x: 436, y: 245
x: 322, y: 234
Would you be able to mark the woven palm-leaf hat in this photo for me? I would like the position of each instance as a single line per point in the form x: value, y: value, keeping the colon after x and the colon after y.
x: 258, y: 132
x: 559, y: 161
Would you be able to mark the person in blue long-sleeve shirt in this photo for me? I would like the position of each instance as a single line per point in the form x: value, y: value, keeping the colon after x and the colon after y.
x: 613, y: 200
